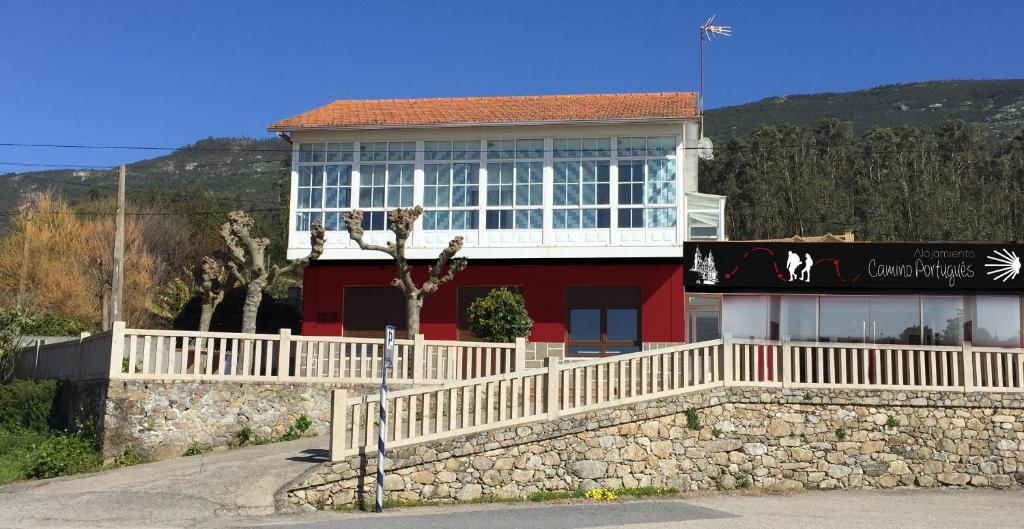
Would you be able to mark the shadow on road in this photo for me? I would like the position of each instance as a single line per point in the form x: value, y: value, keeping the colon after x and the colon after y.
x: 312, y: 455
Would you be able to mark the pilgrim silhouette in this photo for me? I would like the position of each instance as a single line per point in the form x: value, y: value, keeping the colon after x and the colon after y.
x: 805, y: 274
x: 792, y: 263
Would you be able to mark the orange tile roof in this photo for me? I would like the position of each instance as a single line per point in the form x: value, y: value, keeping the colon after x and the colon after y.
x: 493, y: 110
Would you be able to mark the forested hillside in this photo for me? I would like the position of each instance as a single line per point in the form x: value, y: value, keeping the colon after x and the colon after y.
x: 998, y: 105
x: 950, y: 182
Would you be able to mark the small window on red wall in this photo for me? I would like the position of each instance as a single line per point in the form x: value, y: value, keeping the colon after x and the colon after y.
x: 369, y: 309
x: 602, y: 320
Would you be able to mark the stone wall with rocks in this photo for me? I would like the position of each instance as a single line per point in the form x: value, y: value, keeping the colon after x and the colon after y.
x: 537, y: 353
x: 163, y: 419
x: 761, y: 438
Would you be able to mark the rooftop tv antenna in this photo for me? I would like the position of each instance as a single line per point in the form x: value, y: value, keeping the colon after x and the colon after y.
x: 708, y: 30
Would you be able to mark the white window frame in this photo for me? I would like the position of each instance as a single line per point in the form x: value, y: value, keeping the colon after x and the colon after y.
x: 523, y: 151
x: 579, y: 151
x: 450, y: 161
x: 643, y: 155
x: 316, y: 157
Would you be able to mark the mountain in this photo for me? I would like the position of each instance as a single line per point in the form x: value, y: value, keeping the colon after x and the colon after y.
x: 996, y: 104
x: 251, y: 173
x: 236, y: 172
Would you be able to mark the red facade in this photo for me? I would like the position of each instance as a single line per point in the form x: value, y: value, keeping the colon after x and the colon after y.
x: 543, y: 285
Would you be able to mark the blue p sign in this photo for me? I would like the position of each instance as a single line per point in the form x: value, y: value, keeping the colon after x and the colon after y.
x: 389, y: 345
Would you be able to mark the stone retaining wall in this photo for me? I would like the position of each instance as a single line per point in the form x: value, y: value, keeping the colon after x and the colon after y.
x: 163, y: 419
x: 770, y: 438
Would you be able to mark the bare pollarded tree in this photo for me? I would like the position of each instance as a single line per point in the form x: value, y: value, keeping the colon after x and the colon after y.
x: 213, y: 282
x: 247, y: 261
x: 400, y: 222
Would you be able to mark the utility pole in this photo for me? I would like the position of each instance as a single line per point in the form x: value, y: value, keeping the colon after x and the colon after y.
x: 24, y: 255
x: 117, y: 279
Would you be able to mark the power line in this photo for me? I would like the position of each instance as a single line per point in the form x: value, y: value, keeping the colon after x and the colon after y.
x: 60, y: 165
x: 349, y: 151
x: 134, y: 147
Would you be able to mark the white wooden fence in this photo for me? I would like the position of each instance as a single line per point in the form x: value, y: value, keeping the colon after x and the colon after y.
x: 144, y: 354
x: 463, y: 407
x: 883, y: 366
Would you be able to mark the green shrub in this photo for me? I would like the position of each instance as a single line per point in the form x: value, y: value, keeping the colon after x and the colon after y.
x: 692, y: 419
x: 717, y: 432
x: 840, y: 433
x: 500, y: 316
x: 52, y: 324
x: 130, y: 457
x: 27, y: 404
x: 193, y: 450
x: 64, y: 454
x: 245, y: 435
x: 892, y: 422
x: 302, y: 423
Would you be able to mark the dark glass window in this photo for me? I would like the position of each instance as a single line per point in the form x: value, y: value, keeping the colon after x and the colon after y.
x: 367, y: 310
x: 997, y: 321
x: 602, y: 320
x: 499, y: 219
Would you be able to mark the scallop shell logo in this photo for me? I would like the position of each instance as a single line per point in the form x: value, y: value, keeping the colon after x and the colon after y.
x: 1005, y: 265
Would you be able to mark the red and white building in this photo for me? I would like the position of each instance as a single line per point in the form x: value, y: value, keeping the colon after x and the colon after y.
x: 581, y: 202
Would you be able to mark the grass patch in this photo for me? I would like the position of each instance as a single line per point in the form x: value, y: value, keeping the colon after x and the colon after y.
x: 16, y: 446
x: 30, y: 446
x: 65, y: 454
x: 601, y: 494
x: 642, y: 492
x: 247, y: 436
x: 130, y: 458
x: 555, y: 495
x: 193, y: 450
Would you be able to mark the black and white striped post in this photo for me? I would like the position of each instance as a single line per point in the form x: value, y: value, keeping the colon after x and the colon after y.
x: 389, y: 348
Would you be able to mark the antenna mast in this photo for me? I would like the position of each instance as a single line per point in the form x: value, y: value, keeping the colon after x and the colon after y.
x: 707, y: 31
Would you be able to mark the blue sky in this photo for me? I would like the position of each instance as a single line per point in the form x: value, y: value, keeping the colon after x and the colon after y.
x: 168, y: 73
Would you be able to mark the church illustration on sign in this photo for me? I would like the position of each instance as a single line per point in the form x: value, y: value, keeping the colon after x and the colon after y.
x: 705, y: 268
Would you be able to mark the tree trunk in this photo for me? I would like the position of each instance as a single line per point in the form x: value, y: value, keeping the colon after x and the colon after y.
x: 253, y: 297
x: 412, y: 316
x: 206, y: 315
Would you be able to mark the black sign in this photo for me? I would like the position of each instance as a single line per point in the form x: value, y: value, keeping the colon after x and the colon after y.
x: 752, y: 266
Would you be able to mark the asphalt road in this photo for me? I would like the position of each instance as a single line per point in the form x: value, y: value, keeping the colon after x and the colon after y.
x: 855, y: 509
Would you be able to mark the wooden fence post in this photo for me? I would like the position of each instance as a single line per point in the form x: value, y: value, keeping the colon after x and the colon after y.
x: 339, y: 409
x: 451, y: 372
x: 419, y: 359
x: 116, y: 349
x: 967, y: 363
x: 284, y: 353
x: 727, y: 360
x: 787, y: 363
x: 554, y: 374
x: 520, y: 360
